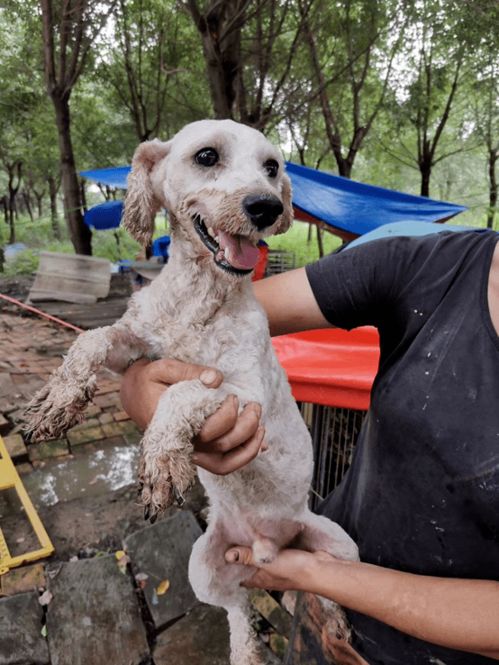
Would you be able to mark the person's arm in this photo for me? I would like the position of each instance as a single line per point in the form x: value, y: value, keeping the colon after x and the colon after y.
x: 454, y: 613
x: 289, y: 303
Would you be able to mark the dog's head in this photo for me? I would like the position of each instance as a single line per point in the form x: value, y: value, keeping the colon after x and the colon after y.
x: 223, y: 184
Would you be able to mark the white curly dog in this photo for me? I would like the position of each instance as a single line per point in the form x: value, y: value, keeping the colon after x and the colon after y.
x: 225, y: 187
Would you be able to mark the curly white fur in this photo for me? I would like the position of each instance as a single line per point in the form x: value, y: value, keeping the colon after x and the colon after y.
x: 196, y: 312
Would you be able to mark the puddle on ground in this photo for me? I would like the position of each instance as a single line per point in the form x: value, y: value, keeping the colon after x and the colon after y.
x: 95, y: 469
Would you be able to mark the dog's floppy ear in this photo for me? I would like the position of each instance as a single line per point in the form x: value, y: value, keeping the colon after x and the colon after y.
x: 141, y: 203
x: 287, y: 214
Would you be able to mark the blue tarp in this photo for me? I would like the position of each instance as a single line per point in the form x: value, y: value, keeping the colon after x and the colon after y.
x: 104, y: 216
x: 345, y: 205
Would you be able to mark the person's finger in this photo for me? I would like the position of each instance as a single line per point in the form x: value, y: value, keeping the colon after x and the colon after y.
x: 168, y: 370
x: 242, y: 555
x: 222, y: 421
x: 225, y: 463
x: 243, y: 430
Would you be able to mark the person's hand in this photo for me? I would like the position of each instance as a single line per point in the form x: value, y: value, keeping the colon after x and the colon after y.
x: 290, y: 570
x: 226, y: 442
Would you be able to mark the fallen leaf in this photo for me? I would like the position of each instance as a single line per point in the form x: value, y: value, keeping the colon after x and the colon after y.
x: 163, y: 587
x: 119, y: 554
x: 45, y: 598
x: 43, y: 631
x: 123, y: 561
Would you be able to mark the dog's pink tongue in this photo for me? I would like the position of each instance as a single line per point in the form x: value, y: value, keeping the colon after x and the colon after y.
x: 240, y: 252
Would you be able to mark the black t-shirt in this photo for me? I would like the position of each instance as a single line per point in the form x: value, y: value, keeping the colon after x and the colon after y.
x: 422, y: 494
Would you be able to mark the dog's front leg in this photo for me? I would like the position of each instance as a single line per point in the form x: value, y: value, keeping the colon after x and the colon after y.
x: 166, y: 470
x: 60, y: 403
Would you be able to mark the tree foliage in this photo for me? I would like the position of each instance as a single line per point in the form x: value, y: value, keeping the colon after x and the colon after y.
x: 401, y: 93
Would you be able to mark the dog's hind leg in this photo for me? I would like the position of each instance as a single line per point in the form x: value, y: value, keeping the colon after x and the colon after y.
x: 245, y: 647
x: 320, y: 533
x: 216, y: 582
x: 60, y: 403
x: 166, y: 470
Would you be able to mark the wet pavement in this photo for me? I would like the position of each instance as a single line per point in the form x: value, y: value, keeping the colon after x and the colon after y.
x: 94, y: 469
x: 93, y: 601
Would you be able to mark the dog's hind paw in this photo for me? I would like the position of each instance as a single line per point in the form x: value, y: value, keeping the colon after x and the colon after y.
x: 163, y: 480
x: 264, y: 550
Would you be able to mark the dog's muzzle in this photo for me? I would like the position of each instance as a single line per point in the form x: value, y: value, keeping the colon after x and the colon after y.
x: 233, y: 253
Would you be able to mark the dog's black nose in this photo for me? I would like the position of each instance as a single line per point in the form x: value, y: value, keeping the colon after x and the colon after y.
x: 262, y: 209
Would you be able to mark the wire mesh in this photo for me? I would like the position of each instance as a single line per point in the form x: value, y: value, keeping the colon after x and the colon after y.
x: 334, y: 433
x: 279, y: 260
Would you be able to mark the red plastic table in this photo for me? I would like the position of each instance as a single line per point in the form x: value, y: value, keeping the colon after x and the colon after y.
x: 332, y: 367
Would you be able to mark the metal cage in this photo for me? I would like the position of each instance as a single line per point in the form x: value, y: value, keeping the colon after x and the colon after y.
x: 279, y: 260
x: 334, y: 433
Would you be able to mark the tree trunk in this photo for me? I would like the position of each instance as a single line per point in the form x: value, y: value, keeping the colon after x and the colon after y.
x: 27, y: 203
x: 319, y: 241
x: 5, y: 207
x: 39, y: 204
x: 53, y: 207
x: 12, y: 225
x: 222, y: 56
x: 493, y: 155
x: 80, y: 234
x: 83, y: 195
x: 425, y: 170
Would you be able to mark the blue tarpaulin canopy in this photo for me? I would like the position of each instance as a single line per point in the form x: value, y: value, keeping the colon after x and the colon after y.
x: 105, y: 215
x: 346, y: 207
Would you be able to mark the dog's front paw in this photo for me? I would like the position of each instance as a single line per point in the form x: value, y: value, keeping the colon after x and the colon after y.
x: 164, y: 477
x: 56, y: 407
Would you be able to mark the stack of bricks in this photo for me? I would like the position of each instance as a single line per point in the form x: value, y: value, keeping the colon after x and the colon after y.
x: 30, y: 349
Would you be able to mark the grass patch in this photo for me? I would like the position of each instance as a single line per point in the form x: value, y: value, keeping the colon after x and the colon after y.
x: 296, y: 240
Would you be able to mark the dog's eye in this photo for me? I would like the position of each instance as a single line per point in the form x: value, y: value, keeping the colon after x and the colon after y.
x: 206, y: 157
x: 271, y: 167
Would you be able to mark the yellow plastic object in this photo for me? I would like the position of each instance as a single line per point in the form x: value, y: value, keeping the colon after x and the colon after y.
x: 10, y: 478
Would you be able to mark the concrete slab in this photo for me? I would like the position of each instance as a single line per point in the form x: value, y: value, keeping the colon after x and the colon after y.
x: 94, y: 616
x: 200, y: 638
x: 95, y: 469
x: 21, y: 642
x: 162, y: 551
x: 19, y: 580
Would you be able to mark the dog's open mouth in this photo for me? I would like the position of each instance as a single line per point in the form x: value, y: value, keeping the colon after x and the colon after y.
x: 233, y: 253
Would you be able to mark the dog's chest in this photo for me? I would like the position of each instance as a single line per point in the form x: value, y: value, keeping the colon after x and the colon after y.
x: 223, y: 340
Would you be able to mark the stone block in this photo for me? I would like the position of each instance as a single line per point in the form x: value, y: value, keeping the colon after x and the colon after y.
x: 109, y: 399
x: 162, y: 551
x: 20, y: 631
x: 119, y: 429
x: 94, y: 616
x: 15, y: 446
x: 270, y: 609
x: 48, y: 449
x: 89, y: 422
x: 19, y: 580
x: 85, y: 435
x: 4, y: 424
x: 121, y: 415
x: 24, y: 468
x: 199, y: 638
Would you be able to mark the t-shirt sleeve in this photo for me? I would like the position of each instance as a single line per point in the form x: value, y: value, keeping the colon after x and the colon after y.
x: 362, y: 285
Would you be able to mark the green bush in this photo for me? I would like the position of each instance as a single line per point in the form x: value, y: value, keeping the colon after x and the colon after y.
x: 24, y: 263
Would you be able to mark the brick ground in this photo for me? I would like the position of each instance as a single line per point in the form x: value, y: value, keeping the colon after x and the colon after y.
x: 90, y: 527
x: 30, y: 349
